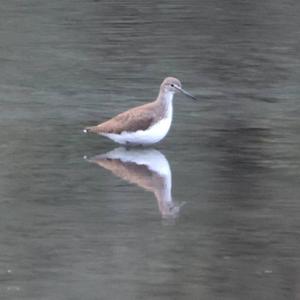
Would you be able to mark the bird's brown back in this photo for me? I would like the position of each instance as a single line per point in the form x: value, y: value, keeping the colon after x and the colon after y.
x: 138, y: 118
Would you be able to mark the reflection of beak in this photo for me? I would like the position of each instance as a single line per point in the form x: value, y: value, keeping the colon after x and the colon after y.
x: 184, y: 92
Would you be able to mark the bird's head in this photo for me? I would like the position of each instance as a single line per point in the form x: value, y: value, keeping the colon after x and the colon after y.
x: 173, y: 85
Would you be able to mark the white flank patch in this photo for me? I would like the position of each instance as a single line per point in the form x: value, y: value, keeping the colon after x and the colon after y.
x: 145, y: 137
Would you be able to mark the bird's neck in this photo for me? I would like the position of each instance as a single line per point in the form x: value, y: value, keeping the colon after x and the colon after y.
x: 165, y: 99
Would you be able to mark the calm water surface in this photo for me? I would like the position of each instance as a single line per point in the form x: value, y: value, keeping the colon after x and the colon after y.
x: 210, y: 213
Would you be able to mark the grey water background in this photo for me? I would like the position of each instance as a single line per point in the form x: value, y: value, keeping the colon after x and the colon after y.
x: 71, y: 230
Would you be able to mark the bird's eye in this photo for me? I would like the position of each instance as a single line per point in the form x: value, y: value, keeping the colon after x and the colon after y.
x: 172, y: 85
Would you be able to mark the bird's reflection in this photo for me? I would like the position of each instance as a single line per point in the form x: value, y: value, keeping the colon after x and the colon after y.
x: 147, y: 168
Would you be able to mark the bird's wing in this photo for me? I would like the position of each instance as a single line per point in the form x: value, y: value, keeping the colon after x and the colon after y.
x: 132, y: 120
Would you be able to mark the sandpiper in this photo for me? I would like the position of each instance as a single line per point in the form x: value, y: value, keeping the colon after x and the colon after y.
x: 146, y: 124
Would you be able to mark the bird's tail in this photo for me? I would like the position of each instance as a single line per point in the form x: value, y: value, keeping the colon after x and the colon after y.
x: 92, y: 129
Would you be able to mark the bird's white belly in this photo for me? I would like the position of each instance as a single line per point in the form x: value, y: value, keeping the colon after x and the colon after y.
x: 151, y: 135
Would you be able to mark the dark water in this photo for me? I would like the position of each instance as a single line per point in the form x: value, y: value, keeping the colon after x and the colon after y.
x: 70, y: 229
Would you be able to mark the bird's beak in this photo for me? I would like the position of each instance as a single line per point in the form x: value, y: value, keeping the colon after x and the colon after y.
x: 184, y: 92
